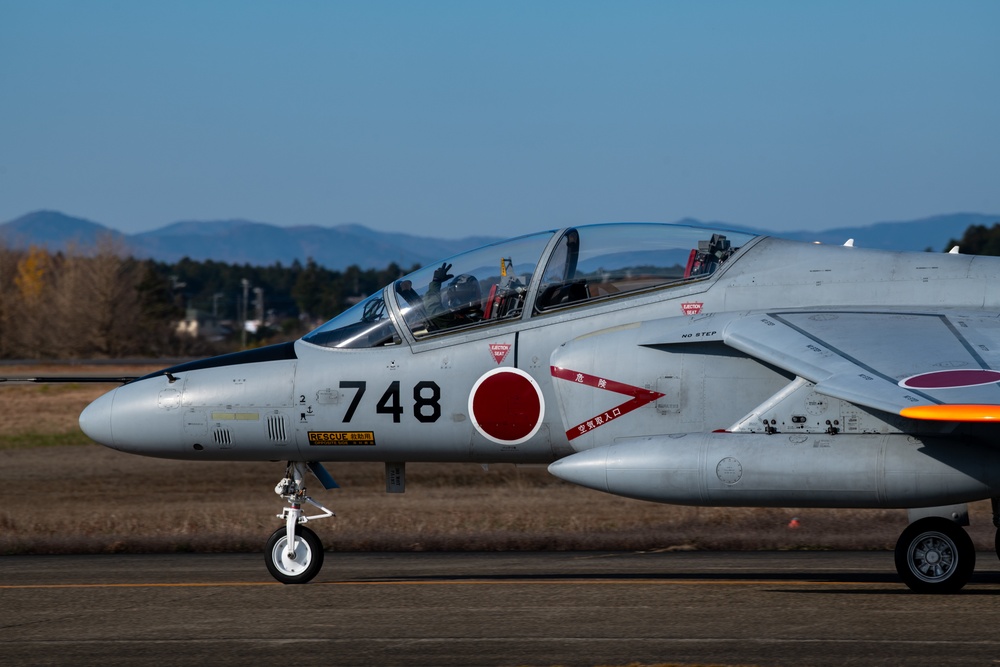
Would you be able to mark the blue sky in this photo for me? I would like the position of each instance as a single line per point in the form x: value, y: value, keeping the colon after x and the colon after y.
x: 453, y: 118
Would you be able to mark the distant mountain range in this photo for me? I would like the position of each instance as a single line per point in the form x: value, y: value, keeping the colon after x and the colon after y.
x: 260, y: 244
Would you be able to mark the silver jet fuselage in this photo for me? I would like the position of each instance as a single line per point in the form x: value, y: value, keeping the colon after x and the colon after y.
x: 492, y: 390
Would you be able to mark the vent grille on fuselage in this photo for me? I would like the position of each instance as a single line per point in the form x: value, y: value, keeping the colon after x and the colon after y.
x: 223, y: 437
x: 276, y: 428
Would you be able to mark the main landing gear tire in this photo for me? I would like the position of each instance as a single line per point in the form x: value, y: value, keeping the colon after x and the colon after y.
x: 307, y: 561
x: 996, y: 543
x: 934, y: 555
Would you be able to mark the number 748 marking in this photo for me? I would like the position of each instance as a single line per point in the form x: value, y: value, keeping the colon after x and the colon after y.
x: 426, y: 400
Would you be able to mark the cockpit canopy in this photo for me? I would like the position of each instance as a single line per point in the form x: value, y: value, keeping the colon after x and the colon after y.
x: 554, y: 270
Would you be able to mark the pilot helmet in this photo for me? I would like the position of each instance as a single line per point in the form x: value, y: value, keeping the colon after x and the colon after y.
x: 462, y: 292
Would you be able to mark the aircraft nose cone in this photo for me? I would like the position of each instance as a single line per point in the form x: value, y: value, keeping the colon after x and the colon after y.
x: 95, y: 420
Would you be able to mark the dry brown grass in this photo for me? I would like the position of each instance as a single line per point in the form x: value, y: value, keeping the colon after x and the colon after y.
x: 68, y: 497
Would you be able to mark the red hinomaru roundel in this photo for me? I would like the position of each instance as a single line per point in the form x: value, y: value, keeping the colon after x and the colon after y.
x: 506, y: 406
x: 953, y: 379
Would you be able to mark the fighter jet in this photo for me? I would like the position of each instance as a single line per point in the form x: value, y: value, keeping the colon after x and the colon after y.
x: 667, y: 363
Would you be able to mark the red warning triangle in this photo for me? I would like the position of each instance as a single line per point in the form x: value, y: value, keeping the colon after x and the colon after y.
x: 499, y: 351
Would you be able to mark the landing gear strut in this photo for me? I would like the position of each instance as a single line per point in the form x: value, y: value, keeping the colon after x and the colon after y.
x: 935, y: 555
x: 294, y: 554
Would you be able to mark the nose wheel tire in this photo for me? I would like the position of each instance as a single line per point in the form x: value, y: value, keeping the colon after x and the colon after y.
x: 934, y: 555
x: 298, y: 565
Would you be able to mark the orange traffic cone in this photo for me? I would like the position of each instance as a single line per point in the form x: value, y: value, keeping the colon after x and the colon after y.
x: 794, y: 523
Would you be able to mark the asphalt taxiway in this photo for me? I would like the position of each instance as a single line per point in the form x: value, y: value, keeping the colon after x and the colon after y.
x: 800, y: 608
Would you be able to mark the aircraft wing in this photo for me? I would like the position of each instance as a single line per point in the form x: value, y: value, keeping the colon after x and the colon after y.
x: 938, y: 365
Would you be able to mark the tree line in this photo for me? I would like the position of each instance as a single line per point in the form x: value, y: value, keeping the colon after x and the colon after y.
x: 103, y: 303
x: 978, y: 240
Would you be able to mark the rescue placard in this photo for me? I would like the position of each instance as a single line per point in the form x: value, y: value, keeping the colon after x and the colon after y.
x: 342, y: 438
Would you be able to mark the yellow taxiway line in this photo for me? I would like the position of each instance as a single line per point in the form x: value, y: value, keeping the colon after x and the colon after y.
x: 469, y: 582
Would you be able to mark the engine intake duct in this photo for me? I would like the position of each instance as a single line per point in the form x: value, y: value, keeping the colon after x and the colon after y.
x: 758, y: 470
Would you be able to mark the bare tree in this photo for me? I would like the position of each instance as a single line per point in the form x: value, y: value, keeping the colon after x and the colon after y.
x: 8, y: 266
x: 98, y: 302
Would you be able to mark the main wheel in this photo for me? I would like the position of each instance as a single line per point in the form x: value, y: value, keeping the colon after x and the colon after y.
x: 934, y: 555
x: 996, y: 543
x: 307, y: 560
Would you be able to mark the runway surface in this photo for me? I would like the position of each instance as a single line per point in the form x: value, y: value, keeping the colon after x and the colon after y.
x: 585, y: 609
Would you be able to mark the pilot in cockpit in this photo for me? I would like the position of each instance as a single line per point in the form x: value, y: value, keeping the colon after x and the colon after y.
x: 457, y: 304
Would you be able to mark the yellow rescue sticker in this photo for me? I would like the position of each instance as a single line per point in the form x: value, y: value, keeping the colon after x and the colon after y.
x: 342, y: 438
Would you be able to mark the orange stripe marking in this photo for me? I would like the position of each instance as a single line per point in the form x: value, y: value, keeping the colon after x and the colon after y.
x: 953, y: 413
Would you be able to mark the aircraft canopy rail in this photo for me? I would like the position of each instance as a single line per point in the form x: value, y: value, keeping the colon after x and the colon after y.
x: 492, y: 283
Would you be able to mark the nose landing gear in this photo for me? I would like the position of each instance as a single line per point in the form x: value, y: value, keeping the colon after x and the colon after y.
x: 294, y: 554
